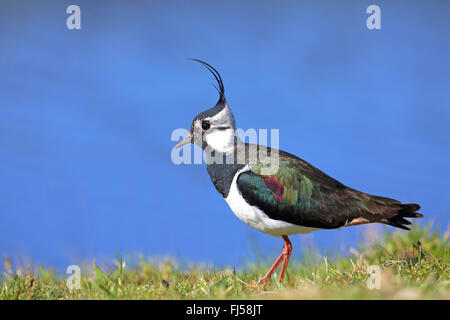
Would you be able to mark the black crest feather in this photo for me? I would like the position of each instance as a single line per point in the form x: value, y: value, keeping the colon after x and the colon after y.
x: 218, y: 78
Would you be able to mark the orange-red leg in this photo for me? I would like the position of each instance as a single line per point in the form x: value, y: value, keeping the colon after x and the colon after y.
x: 287, y: 254
x: 266, y: 278
x: 284, y: 256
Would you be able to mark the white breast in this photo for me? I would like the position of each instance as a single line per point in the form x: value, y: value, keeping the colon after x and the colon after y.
x: 255, y: 217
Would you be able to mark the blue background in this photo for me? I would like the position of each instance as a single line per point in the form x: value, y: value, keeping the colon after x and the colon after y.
x: 86, y: 118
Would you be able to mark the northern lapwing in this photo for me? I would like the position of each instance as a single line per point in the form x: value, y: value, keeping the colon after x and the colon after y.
x: 296, y: 198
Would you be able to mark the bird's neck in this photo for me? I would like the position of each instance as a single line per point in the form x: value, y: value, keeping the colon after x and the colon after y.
x: 222, y: 164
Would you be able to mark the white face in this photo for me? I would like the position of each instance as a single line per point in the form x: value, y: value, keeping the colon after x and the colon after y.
x: 220, y: 135
x: 220, y: 139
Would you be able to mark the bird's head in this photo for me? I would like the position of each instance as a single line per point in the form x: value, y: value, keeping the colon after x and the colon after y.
x: 215, y: 127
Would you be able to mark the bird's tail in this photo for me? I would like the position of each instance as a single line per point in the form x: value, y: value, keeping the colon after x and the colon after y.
x: 406, y: 210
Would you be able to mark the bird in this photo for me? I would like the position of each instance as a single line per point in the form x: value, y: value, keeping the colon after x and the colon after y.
x: 295, y: 198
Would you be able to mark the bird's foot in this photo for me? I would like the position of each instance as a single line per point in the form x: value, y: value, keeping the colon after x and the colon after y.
x: 265, y: 280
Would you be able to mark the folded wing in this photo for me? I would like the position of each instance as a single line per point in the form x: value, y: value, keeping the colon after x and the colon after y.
x: 303, y: 195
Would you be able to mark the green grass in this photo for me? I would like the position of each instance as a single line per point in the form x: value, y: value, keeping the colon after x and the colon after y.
x: 414, y: 265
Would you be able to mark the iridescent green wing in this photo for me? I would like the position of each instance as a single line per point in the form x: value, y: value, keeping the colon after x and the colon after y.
x: 301, y: 194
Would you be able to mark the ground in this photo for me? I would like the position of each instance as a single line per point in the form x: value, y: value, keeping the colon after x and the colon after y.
x: 412, y: 265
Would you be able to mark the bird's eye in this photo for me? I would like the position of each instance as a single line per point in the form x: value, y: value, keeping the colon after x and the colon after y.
x: 205, y: 125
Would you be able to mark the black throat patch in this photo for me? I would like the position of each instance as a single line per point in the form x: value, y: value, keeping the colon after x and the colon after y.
x: 222, y: 175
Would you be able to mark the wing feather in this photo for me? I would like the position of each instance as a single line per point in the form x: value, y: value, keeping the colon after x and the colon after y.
x: 301, y: 194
